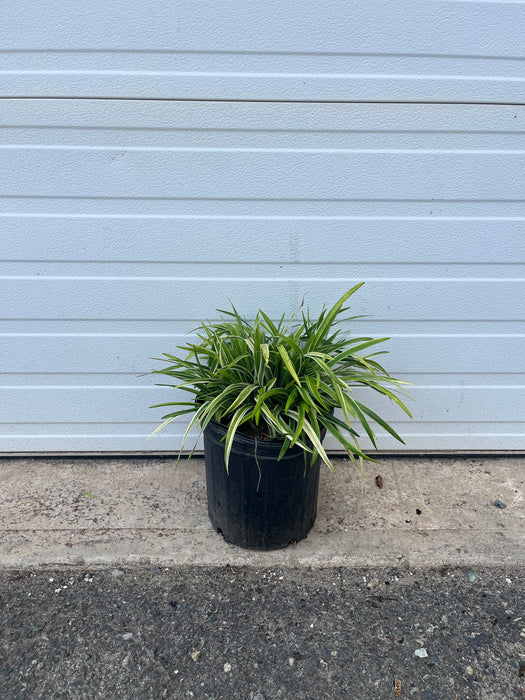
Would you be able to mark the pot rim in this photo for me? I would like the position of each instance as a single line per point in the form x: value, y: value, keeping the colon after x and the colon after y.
x: 247, y: 443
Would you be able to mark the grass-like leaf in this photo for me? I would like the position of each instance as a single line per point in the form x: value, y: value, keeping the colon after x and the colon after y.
x: 282, y: 379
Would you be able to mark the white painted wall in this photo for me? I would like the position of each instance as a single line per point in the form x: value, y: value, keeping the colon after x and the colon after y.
x: 126, y: 221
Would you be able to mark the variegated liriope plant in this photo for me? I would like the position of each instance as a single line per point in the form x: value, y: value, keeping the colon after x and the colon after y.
x: 286, y: 379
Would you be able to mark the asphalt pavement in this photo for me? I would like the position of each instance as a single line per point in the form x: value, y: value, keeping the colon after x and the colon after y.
x: 252, y: 633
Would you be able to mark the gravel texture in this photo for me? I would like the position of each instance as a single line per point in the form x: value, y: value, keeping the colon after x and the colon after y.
x: 259, y: 634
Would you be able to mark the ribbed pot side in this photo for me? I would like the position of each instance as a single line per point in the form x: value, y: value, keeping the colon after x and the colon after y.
x: 260, y: 503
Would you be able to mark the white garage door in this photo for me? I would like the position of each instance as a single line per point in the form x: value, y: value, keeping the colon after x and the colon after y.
x: 155, y: 165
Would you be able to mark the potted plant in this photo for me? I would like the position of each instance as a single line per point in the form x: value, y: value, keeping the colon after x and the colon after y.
x: 264, y: 394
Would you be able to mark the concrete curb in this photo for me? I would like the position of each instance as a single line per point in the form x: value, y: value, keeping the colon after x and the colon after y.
x: 430, y: 512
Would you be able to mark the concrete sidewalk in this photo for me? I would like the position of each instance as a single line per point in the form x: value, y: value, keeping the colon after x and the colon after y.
x: 107, y: 511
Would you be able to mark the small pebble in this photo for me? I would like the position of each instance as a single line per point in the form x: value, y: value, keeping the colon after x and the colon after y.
x: 422, y: 653
x: 469, y: 670
x: 195, y: 655
x: 372, y: 583
x: 471, y: 576
x: 227, y: 668
x: 499, y: 504
x: 128, y: 635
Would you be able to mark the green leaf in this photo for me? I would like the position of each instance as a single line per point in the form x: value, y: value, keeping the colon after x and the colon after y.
x: 284, y: 449
x: 269, y: 324
x: 292, y: 398
x: 332, y: 428
x: 160, y: 427
x: 329, y: 318
x: 311, y: 383
x: 316, y: 442
x: 283, y: 378
x: 230, y: 433
x: 288, y: 363
x: 380, y: 422
x: 299, y: 416
x: 241, y: 397
x: 361, y: 417
x: 274, y: 420
x: 353, y: 350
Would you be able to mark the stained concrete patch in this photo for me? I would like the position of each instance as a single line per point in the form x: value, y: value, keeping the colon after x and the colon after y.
x: 429, y: 512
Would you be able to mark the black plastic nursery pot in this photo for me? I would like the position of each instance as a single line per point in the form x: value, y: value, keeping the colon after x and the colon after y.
x: 260, y: 502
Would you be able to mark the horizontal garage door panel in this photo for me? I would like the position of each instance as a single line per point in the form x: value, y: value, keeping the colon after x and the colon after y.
x: 298, y: 153
x: 97, y: 404
x: 411, y: 50
x: 125, y: 224
x: 125, y: 353
x: 291, y: 240
x: 259, y: 174
x: 194, y: 84
x: 168, y: 123
x: 160, y: 298
x: 132, y: 438
x: 463, y: 422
